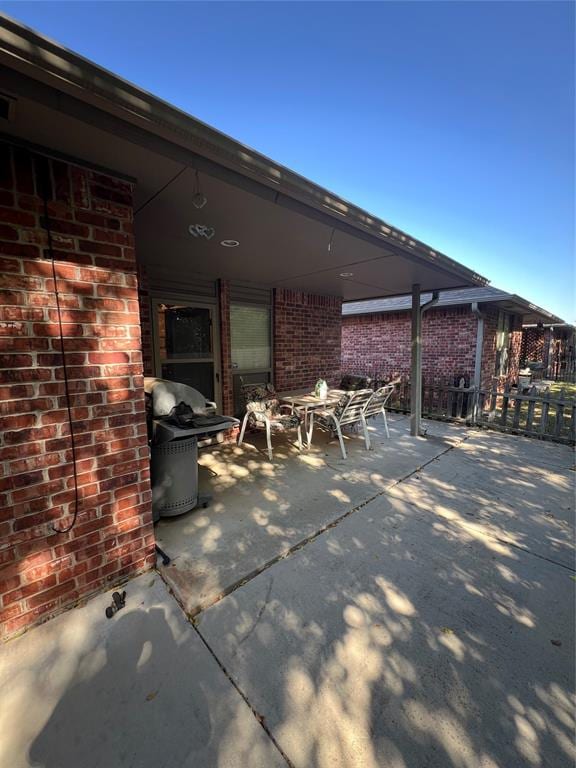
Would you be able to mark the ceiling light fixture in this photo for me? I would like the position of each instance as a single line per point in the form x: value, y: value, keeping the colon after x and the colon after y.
x: 230, y: 243
x: 198, y: 199
x: 346, y: 274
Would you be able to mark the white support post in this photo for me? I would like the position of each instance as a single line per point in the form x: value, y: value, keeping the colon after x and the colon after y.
x: 478, y: 359
x: 416, y: 369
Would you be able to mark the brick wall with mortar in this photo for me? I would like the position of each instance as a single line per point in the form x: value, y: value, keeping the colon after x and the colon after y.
x: 90, y: 214
x: 225, y: 349
x: 379, y: 344
x: 307, y: 339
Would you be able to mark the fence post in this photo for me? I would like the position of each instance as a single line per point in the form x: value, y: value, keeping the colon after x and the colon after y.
x: 505, y: 404
x: 416, y: 364
x: 493, y: 402
x: 559, y: 419
x: 530, y: 416
x: 544, y: 422
x: 516, y: 418
x: 460, y: 398
x: 475, y: 405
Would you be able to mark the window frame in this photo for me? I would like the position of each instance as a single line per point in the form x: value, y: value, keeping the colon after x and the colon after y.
x: 264, y: 370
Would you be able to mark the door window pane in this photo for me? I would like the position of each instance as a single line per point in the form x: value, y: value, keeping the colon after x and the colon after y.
x: 250, y: 336
x: 184, y: 332
x: 185, y: 346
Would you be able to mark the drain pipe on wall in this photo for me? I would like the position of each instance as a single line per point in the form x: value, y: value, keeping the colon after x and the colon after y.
x: 416, y: 371
x: 478, y: 359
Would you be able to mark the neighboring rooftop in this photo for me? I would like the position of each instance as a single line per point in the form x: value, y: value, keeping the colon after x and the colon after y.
x: 488, y: 295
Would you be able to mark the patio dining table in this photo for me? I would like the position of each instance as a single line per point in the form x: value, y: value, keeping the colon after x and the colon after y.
x: 307, y: 402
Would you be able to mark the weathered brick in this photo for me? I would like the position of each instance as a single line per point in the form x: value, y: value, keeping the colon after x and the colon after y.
x: 379, y: 345
x: 307, y: 331
x: 101, y: 334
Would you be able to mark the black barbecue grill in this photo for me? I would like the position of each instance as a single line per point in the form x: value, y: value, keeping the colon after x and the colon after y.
x: 179, y: 420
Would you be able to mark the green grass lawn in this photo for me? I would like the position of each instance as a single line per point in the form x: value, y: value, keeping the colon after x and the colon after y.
x: 569, y: 390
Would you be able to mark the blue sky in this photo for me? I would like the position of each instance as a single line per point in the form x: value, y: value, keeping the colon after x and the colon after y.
x: 451, y: 120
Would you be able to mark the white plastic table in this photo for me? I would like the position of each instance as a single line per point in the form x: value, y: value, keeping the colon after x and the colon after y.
x: 308, y: 402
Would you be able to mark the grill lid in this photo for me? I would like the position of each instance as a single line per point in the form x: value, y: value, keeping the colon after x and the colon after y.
x: 166, y: 395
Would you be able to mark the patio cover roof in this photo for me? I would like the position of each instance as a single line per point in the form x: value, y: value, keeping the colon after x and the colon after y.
x: 507, y: 301
x: 292, y: 233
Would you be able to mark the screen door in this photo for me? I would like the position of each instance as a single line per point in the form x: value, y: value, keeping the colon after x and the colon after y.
x: 185, y: 342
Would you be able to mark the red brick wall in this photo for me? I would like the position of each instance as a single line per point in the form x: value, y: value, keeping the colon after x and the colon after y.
x: 41, y: 571
x: 379, y: 344
x: 307, y: 339
x: 225, y: 347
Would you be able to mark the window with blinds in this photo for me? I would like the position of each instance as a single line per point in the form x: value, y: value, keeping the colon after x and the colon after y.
x: 250, y: 336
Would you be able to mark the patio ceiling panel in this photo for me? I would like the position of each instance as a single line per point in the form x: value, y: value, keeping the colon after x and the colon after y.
x: 292, y: 232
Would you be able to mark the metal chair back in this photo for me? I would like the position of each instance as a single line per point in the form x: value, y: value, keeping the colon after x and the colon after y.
x: 354, y: 408
x: 378, y: 401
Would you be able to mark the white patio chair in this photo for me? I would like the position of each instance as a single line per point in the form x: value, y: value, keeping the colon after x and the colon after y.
x: 377, y: 405
x: 350, y: 410
x: 264, y: 411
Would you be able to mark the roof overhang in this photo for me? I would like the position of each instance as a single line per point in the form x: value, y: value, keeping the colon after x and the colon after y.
x: 509, y: 302
x: 531, y: 313
x: 293, y: 233
x: 568, y: 327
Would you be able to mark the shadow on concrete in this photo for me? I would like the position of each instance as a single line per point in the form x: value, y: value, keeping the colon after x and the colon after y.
x: 398, y: 640
x: 140, y: 690
x: 262, y: 509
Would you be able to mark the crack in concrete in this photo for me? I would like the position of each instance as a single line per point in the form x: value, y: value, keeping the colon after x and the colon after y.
x: 260, y: 612
x: 295, y: 548
x: 313, y: 536
x: 259, y: 717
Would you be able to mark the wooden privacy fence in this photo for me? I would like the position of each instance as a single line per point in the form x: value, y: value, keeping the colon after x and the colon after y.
x: 536, y: 414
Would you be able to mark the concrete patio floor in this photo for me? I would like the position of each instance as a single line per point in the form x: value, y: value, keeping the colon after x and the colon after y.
x: 412, y: 607
x: 140, y: 690
x: 261, y: 510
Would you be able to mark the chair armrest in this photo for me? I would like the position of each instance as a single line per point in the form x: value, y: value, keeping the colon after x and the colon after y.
x: 285, y: 405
